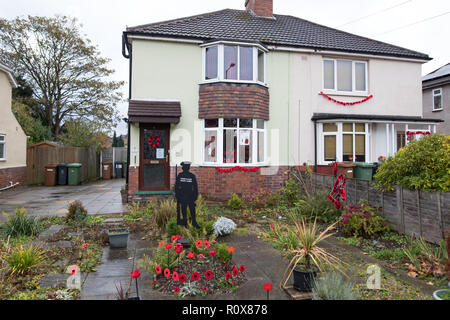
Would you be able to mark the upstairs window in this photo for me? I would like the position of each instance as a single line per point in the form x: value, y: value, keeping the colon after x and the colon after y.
x: 2, y: 147
x: 344, y: 75
x: 227, y: 62
x: 437, y: 99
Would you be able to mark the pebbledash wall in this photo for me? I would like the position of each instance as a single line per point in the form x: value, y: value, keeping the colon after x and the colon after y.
x: 13, y: 168
x: 173, y: 70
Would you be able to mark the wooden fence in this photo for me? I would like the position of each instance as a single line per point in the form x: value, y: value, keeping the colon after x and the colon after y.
x: 425, y: 214
x: 39, y: 156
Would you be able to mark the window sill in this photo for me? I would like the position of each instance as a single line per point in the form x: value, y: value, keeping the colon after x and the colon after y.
x: 235, y: 81
x: 436, y: 110
x: 345, y: 94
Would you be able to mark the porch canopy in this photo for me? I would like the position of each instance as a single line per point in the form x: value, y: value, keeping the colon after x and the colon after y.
x: 154, y: 111
x: 373, y: 118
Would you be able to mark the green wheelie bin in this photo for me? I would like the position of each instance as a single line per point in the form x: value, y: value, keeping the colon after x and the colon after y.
x: 74, y: 174
x: 363, y: 171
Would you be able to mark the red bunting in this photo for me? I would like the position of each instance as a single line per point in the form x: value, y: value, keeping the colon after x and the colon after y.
x: 346, y: 103
x: 228, y: 170
x: 412, y: 133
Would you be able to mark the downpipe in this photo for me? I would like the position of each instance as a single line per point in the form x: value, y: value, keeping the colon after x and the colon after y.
x: 10, y: 186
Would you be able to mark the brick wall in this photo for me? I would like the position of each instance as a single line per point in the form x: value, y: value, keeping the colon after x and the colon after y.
x: 263, y: 8
x: 17, y: 174
x: 133, y: 181
x: 223, y: 100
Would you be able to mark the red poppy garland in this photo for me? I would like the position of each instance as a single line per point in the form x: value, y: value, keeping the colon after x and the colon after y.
x: 228, y: 170
x: 344, y: 103
x: 154, y: 141
x: 338, y: 191
x: 412, y: 133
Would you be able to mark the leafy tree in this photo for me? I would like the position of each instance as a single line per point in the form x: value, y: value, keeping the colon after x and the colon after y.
x: 120, y: 143
x: 65, y: 72
x: 422, y: 164
x: 80, y: 133
x: 33, y: 127
x: 114, y: 140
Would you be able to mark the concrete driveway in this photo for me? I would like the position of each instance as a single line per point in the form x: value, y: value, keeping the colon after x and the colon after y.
x: 100, y: 197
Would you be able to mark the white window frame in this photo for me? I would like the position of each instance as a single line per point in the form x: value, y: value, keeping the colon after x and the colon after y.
x: 219, y: 151
x: 433, y: 95
x: 3, y: 144
x: 220, y: 61
x: 353, y: 91
x: 339, y: 139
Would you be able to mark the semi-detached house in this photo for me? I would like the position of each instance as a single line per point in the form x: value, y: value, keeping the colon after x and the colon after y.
x: 246, y: 94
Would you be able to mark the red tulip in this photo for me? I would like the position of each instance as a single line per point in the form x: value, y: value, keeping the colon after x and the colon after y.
x: 195, y: 276
x: 179, y: 249
x: 268, y: 287
x: 135, y: 274
x: 231, y: 249
x: 208, y: 274
x: 213, y: 252
x: 178, y: 237
x: 182, y: 278
x: 168, y: 246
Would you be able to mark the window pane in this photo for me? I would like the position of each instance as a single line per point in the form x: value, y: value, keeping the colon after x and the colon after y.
x: 344, y: 75
x: 211, y: 146
x: 329, y: 127
x: 229, y: 146
x: 154, y: 140
x: 154, y: 175
x: 246, y: 123
x: 211, y: 61
x: 246, y: 63
x: 2, y: 138
x: 230, y: 62
x: 245, y: 146
x: 230, y: 123
x: 330, y: 148
x: 328, y: 74
x: 360, y: 127
x: 211, y: 123
x: 347, y: 147
x: 347, y: 127
x: 401, y: 139
x: 260, y: 66
x: 2, y: 150
x: 437, y: 102
x: 360, y: 147
x: 260, y: 146
x: 360, y: 76
x: 260, y: 124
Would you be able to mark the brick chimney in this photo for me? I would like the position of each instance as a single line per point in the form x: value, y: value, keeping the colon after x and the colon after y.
x: 261, y: 8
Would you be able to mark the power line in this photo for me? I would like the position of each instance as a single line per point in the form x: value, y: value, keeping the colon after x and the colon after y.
x: 375, y: 13
x: 414, y: 23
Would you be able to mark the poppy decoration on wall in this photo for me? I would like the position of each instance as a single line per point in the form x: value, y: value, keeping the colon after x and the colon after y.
x: 154, y: 141
x: 346, y: 103
x: 412, y: 133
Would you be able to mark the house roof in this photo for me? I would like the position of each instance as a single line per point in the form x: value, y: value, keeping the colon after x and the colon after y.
x: 282, y: 30
x: 147, y: 111
x: 9, y: 73
x: 441, y: 72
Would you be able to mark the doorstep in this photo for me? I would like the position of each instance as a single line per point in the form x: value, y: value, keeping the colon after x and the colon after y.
x: 297, y: 295
x: 149, y: 193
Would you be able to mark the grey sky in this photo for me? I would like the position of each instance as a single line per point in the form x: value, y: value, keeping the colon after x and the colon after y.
x: 104, y: 20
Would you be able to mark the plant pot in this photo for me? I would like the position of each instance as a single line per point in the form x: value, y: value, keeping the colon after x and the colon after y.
x: 124, y: 194
x: 118, y: 238
x: 303, y: 280
x: 438, y: 292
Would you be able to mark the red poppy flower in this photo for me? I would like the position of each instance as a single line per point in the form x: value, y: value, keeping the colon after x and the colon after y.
x: 72, y: 270
x: 168, y: 246
x: 208, y: 274
x: 158, y: 269
x: 235, y: 272
x: 178, y: 237
x: 213, y: 242
x: 231, y: 249
x: 182, y: 278
x: 242, y: 268
x: 205, y: 288
x: 228, y: 276
x: 85, y: 245
x: 195, y: 276
x: 175, y: 276
x: 135, y: 274
x: 206, y: 243
x: 198, y: 243
x: 268, y: 287
x: 213, y: 252
x: 200, y: 256
x: 179, y: 249
x: 166, y: 272
x: 161, y: 244
x: 190, y: 255
x: 173, y: 238
x: 176, y: 290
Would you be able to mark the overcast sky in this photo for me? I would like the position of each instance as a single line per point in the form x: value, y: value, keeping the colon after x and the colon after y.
x: 421, y: 25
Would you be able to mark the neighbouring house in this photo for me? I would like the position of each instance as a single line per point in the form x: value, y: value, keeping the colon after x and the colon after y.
x: 246, y: 94
x: 13, y: 140
x: 436, y: 97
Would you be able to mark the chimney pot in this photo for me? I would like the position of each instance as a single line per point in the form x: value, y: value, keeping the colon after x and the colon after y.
x: 261, y: 8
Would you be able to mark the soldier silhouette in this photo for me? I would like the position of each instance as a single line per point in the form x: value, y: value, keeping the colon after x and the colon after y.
x: 186, y: 193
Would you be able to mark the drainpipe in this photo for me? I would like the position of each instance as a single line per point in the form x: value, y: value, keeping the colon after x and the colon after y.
x: 126, y: 47
x: 12, y: 185
x: 315, y: 146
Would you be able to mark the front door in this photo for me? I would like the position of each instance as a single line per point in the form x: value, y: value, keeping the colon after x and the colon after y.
x: 154, y: 157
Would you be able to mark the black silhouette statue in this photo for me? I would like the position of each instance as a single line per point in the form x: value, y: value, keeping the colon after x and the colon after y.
x: 186, y: 193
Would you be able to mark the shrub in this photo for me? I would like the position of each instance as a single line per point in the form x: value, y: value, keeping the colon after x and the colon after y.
x: 140, y: 210
x: 362, y: 221
x: 173, y: 228
x: 200, y: 207
x: 235, y: 203
x: 421, y: 164
x: 167, y: 209
x: 223, y: 226
x: 262, y: 198
x: 76, y: 213
x: 316, y: 206
x: 206, y: 229
x: 21, y: 225
x: 332, y: 286
x: 22, y: 259
x: 222, y: 253
x: 291, y: 192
